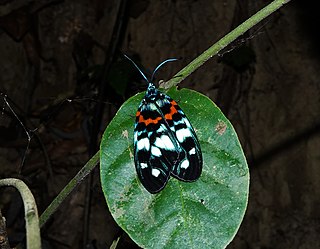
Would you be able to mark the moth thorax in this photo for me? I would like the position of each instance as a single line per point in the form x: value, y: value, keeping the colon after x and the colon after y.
x: 152, y: 92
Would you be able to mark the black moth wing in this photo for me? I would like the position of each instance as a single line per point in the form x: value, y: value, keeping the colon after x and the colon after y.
x: 156, y: 150
x: 189, y: 166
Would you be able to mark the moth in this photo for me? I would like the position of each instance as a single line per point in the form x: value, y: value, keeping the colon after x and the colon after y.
x: 165, y: 143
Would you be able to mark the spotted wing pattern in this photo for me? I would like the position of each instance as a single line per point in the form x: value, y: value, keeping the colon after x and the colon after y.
x: 164, y: 142
x: 188, y: 169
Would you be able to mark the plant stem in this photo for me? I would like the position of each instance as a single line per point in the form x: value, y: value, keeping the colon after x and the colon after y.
x: 223, y: 42
x: 87, y: 168
x: 30, y: 211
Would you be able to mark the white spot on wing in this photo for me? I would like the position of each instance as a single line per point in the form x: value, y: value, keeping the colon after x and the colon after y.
x: 143, y: 144
x: 144, y: 165
x: 192, y: 151
x: 155, y: 172
x: 187, y: 123
x: 185, y: 164
x: 155, y: 151
x: 182, y: 134
x: 159, y: 143
x: 161, y: 129
x: 167, y: 142
x: 164, y: 142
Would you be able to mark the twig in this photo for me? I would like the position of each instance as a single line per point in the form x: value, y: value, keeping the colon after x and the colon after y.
x: 87, y: 168
x: 24, y: 128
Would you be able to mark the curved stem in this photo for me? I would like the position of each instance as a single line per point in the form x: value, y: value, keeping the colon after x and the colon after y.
x: 30, y: 211
x: 87, y: 168
x: 223, y: 42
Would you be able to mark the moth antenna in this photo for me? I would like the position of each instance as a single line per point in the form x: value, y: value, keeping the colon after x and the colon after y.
x: 137, y: 67
x: 160, y: 65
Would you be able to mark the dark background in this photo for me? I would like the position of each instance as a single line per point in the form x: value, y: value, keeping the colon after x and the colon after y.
x: 64, y: 76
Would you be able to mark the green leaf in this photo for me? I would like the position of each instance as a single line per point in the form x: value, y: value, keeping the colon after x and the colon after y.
x: 202, y: 214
